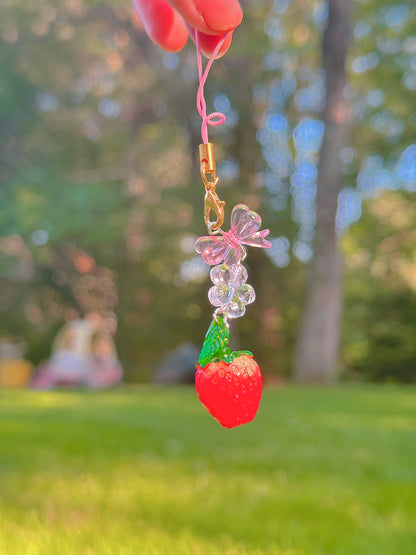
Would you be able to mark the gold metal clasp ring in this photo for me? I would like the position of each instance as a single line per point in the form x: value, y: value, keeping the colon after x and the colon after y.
x: 207, y: 158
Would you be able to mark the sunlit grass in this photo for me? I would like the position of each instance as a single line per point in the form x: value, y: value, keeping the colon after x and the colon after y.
x: 147, y: 471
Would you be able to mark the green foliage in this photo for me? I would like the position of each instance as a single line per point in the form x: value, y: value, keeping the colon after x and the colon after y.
x: 149, y: 471
x: 379, y: 331
x: 386, y: 351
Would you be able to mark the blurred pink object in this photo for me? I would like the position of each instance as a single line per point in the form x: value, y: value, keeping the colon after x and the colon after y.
x: 83, y: 355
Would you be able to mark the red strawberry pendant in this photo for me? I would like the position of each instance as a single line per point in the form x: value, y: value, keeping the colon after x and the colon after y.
x: 230, y: 391
x: 228, y: 384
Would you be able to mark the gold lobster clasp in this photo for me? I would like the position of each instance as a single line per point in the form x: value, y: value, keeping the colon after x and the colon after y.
x: 212, y: 202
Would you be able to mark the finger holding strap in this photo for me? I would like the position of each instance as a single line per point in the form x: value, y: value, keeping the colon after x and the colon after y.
x: 208, y: 43
x: 162, y: 23
x: 212, y: 17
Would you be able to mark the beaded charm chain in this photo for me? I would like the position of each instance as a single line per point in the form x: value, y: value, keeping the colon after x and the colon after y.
x: 228, y: 383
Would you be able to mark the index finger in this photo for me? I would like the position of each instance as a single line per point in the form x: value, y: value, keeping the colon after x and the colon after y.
x: 212, y: 17
x: 162, y: 23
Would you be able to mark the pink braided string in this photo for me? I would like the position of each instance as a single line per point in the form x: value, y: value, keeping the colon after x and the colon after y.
x: 200, y: 99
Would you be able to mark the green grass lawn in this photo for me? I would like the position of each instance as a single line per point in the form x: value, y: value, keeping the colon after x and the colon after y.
x: 148, y: 471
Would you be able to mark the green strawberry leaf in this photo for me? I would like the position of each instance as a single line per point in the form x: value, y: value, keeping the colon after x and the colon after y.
x: 215, y: 347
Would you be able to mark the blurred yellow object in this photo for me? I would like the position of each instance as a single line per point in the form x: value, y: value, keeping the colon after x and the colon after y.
x: 15, y: 372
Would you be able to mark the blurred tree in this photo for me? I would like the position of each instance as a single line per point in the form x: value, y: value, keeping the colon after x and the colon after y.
x: 317, y: 347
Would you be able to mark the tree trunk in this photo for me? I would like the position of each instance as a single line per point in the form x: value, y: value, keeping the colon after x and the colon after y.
x: 316, y: 352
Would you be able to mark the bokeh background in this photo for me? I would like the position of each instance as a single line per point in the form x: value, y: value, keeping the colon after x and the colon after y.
x: 100, y: 204
x: 101, y: 199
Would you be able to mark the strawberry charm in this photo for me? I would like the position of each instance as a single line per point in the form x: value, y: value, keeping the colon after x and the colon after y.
x: 228, y: 384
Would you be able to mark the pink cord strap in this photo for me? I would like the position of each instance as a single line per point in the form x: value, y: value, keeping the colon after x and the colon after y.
x: 200, y: 99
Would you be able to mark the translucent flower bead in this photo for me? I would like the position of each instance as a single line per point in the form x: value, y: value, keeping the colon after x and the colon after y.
x: 230, y: 292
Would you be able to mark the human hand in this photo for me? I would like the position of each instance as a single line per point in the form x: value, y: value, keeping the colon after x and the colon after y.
x: 169, y: 22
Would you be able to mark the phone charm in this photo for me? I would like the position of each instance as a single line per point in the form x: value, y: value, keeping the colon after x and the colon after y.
x: 228, y: 383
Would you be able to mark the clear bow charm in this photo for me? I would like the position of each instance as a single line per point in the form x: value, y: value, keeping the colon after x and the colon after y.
x: 228, y: 247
